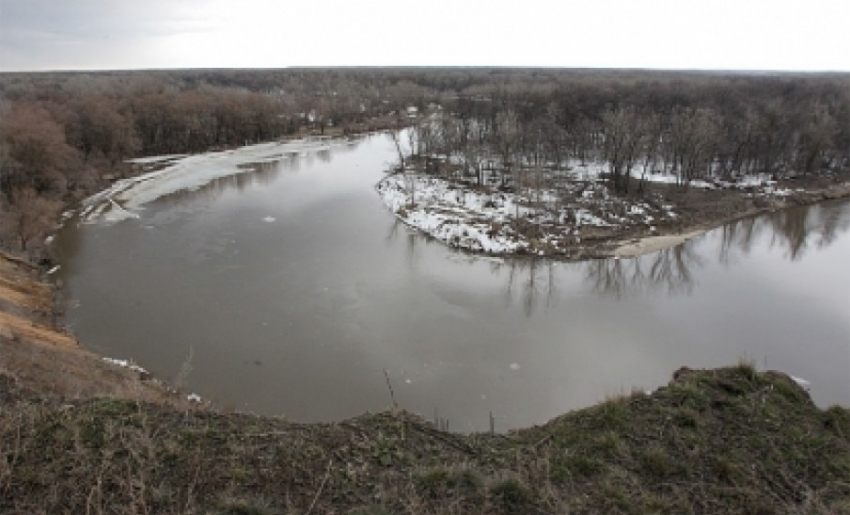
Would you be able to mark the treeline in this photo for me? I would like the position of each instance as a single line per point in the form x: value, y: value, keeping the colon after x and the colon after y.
x: 63, y: 134
x: 697, y: 126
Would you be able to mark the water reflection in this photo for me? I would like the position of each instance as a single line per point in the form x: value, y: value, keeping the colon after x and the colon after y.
x: 263, y: 173
x: 532, y: 282
x: 669, y: 271
x: 792, y: 231
x: 296, y: 289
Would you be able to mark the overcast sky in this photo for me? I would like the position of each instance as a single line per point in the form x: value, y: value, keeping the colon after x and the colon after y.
x: 704, y: 34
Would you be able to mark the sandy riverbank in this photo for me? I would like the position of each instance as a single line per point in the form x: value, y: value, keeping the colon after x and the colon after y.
x: 654, y: 243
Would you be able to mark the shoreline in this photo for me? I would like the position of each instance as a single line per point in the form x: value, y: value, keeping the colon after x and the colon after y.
x: 38, y: 328
x: 47, y: 359
x: 650, y: 244
x: 625, y: 241
x: 38, y: 348
x: 668, y: 449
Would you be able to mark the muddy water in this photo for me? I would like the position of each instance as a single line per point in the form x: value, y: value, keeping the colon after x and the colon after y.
x: 289, y: 291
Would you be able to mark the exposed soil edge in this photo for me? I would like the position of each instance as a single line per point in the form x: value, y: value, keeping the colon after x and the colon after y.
x: 650, y: 244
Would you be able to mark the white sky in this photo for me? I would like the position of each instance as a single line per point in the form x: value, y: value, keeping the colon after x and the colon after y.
x: 807, y: 35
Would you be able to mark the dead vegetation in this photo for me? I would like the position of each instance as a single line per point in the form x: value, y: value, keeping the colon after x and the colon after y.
x: 582, y: 219
x: 720, y: 441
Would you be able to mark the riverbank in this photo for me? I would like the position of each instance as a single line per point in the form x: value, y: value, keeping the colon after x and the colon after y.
x: 39, y: 356
x: 717, y: 441
x: 729, y: 440
x: 36, y: 349
x: 37, y: 229
x: 583, y: 219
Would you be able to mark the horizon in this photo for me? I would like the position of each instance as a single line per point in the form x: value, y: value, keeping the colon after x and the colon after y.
x: 353, y: 67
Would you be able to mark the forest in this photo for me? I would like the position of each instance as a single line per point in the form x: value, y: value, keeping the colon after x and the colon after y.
x: 64, y: 135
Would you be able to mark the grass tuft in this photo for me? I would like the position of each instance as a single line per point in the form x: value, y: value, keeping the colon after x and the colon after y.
x: 511, y: 496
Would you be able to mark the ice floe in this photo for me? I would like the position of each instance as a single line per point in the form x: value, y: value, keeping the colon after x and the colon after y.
x: 126, y: 197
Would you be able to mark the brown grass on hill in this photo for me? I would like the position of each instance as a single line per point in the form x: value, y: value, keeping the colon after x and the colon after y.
x: 730, y: 441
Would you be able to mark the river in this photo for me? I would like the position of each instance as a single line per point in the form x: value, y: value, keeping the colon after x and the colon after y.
x: 290, y: 290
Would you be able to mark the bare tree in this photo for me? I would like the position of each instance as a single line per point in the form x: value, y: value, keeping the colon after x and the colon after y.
x: 36, y: 154
x: 507, y: 134
x: 622, y: 128
x: 650, y: 146
x: 815, y: 139
x: 694, y: 135
x: 395, y: 136
x: 28, y: 216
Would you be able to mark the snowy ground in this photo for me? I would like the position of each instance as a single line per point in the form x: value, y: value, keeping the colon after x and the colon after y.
x: 546, y: 223
x: 762, y: 184
x: 126, y: 197
x: 126, y: 364
x: 495, y: 222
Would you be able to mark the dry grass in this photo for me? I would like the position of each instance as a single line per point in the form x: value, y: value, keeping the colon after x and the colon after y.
x: 721, y: 441
x: 14, y: 327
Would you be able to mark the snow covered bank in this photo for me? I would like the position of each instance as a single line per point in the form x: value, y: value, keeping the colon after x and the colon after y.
x: 496, y: 222
x: 581, y: 218
x: 760, y: 184
x: 124, y: 198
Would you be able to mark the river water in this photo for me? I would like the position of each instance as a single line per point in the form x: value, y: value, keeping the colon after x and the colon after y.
x: 289, y: 290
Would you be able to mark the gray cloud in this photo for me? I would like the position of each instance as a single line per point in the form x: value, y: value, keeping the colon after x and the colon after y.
x: 730, y: 34
x: 102, y: 18
x: 62, y: 33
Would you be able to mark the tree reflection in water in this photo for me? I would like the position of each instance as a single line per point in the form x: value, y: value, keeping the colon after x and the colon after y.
x: 669, y: 270
x: 264, y: 173
x: 250, y: 174
x: 533, y: 281
x: 793, y: 230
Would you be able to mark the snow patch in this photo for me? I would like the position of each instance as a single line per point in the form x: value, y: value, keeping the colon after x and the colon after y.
x: 804, y: 384
x: 154, y: 159
x: 126, y: 364
x: 486, y: 219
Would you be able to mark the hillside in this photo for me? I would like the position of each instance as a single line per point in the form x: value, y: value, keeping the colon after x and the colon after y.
x: 717, y: 441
